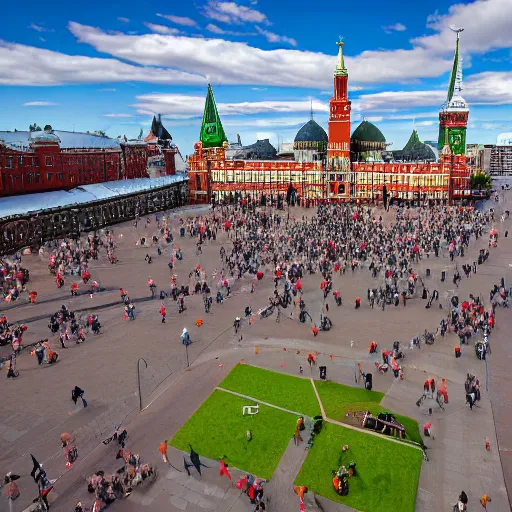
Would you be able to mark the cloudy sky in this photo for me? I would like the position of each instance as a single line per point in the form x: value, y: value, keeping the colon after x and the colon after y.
x: 111, y: 66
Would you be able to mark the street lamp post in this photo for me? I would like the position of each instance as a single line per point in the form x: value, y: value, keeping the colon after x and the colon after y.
x: 186, y: 352
x: 138, y: 379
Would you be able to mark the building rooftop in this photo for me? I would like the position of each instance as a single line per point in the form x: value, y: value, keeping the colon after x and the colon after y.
x: 32, y: 203
x: 68, y: 140
x: 311, y: 132
x: 367, y: 132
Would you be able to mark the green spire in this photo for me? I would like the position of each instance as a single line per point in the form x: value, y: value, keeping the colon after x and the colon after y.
x: 340, y: 68
x: 413, y: 140
x: 453, y: 75
x: 212, y: 133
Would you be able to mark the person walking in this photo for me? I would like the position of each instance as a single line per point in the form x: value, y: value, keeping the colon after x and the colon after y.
x: 78, y: 393
x: 162, y: 448
x: 484, y: 500
x: 163, y: 312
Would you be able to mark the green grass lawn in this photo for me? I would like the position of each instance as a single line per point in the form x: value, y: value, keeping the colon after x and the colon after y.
x: 218, y: 430
x: 293, y: 393
x: 387, y: 472
x: 338, y: 399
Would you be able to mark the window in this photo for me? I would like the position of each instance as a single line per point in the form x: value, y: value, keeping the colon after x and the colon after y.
x: 37, y: 178
x: 20, y: 161
x: 60, y: 177
x: 49, y: 176
x: 198, y: 182
x: 49, y: 161
x: 29, y: 178
x: 9, y: 162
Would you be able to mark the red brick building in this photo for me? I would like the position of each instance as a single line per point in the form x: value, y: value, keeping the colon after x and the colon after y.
x: 54, y: 160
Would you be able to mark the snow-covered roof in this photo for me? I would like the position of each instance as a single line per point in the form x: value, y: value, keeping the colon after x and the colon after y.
x: 31, y: 203
x: 68, y: 140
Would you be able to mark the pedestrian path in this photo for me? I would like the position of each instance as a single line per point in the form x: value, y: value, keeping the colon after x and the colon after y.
x: 412, y: 444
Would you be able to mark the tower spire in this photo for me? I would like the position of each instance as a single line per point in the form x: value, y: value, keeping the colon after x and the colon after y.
x: 456, y: 74
x: 340, y: 68
x: 212, y: 133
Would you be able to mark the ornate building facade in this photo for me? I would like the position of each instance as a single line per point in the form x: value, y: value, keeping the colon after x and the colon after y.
x: 48, y: 160
x: 352, y: 168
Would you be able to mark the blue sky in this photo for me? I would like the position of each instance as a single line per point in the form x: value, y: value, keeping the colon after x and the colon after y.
x: 106, y: 66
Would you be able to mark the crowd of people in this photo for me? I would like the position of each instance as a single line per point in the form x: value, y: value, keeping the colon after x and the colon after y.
x: 338, y: 239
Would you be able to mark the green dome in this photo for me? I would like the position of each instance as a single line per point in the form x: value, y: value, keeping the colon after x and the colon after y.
x: 368, y: 132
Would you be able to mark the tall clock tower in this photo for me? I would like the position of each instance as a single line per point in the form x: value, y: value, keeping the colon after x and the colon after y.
x: 338, y: 148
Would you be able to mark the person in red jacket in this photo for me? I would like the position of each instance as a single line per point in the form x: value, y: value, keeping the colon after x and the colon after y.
x: 163, y: 312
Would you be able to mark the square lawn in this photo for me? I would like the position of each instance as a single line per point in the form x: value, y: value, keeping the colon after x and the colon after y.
x: 338, y: 399
x: 387, y: 472
x: 292, y: 393
x: 218, y: 430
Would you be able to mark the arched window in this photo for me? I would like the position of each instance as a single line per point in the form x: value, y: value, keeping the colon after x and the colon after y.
x: 341, y: 188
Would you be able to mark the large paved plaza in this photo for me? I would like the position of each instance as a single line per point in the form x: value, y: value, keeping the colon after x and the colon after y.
x: 36, y: 408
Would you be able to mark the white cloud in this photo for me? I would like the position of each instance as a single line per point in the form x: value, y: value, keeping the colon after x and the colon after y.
x: 161, y: 29
x: 118, y: 115
x: 39, y: 28
x: 42, y: 39
x: 275, y: 122
x: 489, y: 88
x: 179, y: 20
x: 373, y: 119
x: 351, y: 88
x: 243, y: 64
x: 39, y: 104
x: 275, y: 38
x: 46, y: 67
x: 397, y: 27
x: 123, y: 20
x: 183, y: 106
x: 418, y: 115
x: 108, y: 89
x: 258, y: 88
x: 229, y: 12
x: 217, y: 30
x: 486, y: 26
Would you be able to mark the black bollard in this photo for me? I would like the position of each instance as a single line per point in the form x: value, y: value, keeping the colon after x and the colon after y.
x: 443, y: 276
x: 506, y: 234
x: 428, y: 272
x: 323, y: 372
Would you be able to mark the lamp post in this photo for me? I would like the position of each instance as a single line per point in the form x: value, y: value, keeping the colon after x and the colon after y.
x: 138, y: 379
x: 186, y: 352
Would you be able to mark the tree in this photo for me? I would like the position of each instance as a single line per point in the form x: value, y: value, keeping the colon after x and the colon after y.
x: 34, y: 127
x: 48, y: 128
x: 99, y: 133
x: 480, y: 180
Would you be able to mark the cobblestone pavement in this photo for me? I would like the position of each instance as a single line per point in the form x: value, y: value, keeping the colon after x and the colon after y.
x: 38, y: 406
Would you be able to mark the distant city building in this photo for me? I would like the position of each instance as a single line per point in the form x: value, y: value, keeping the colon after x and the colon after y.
x: 474, y: 158
x: 501, y: 161
x: 485, y: 159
